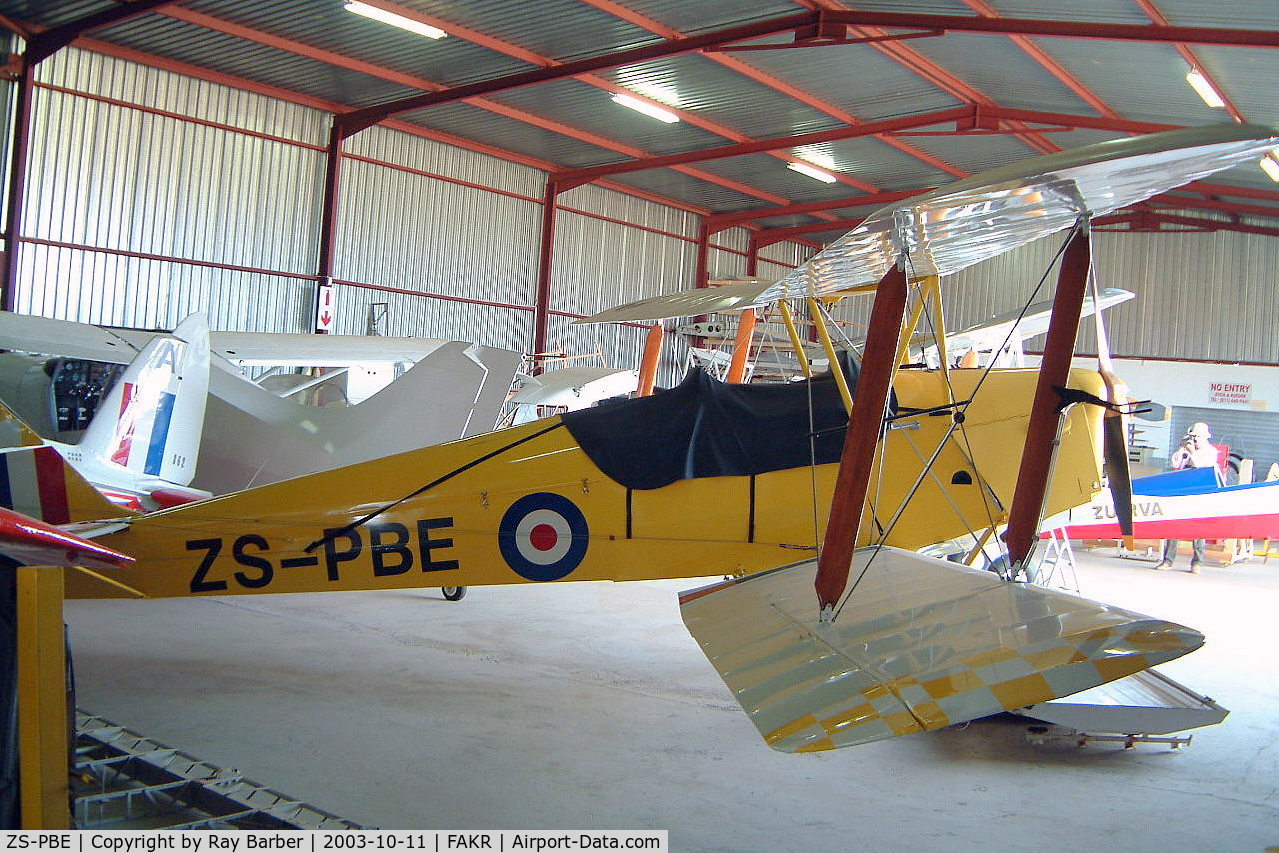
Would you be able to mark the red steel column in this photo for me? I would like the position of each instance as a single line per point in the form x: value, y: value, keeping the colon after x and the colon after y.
x: 1054, y: 370
x: 542, y: 303
x: 864, y: 427
x: 700, y: 274
x: 329, y: 214
x: 17, y: 182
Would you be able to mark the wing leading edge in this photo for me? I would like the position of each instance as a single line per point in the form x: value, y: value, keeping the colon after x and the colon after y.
x: 921, y: 644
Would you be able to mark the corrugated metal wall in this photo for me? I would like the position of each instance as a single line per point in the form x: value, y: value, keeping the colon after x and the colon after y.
x: 127, y: 200
x: 1206, y: 296
x: 111, y: 178
x: 421, y: 234
x: 118, y: 197
x: 600, y: 262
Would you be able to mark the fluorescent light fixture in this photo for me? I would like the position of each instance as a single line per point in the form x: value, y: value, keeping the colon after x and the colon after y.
x: 657, y: 92
x: 394, y: 20
x: 818, y: 158
x: 1200, y: 84
x: 646, y: 108
x: 1270, y: 165
x: 813, y: 172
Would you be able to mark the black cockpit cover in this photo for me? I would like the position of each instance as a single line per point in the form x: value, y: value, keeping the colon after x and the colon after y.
x: 707, y: 428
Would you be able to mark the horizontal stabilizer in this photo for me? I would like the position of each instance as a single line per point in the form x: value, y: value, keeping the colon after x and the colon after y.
x: 921, y: 644
x: 30, y: 542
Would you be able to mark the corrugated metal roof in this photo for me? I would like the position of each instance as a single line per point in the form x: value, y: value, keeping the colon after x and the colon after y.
x: 710, y: 89
x: 856, y: 79
x: 559, y: 29
x: 879, y: 163
x: 591, y: 109
x: 1245, y: 14
x: 700, y: 194
x: 489, y: 128
x: 1105, y: 11
x: 178, y: 40
x: 1001, y: 71
x: 1248, y: 76
x: 1143, y: 82
x: 52, y: 14
x: 735, y: 96
x: 977, y: 153
x: 447, y: 61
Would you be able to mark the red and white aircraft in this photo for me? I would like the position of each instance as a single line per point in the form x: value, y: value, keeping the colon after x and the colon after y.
x: 1191, y: 503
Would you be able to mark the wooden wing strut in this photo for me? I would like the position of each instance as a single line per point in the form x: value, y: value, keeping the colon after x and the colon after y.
x: 879, y: 362
x: 1054, y: 371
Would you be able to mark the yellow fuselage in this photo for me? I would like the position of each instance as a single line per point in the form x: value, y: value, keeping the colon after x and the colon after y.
x: 527, y: 504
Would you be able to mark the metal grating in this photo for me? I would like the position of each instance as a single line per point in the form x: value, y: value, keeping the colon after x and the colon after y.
x: 129, y: 781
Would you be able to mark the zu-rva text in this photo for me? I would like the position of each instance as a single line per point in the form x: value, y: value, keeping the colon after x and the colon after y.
x: 392, y: 550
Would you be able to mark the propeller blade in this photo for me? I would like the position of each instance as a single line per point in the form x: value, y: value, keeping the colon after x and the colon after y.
x: 1115, y: 453
x: 1114, y: 427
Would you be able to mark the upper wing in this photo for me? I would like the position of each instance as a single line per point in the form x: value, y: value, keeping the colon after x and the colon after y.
x: 954, y: 227
x: 920, y: 644
x: 295, y: 350
x: 28, y: 333
x: 575, y: 387
x: 1033, y: 321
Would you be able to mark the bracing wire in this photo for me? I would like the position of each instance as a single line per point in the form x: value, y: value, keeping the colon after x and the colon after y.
x: 956, y: 424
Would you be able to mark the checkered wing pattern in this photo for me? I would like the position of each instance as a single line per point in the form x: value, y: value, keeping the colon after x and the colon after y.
x: 921, y: 644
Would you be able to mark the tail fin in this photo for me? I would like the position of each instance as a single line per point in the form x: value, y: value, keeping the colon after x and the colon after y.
x: 38, y: 482
x: 152, y: 419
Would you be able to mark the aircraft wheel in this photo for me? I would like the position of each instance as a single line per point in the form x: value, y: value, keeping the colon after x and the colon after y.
x: 453, y: 593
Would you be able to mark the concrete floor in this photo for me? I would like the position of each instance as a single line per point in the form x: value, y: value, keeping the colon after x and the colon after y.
x: 588, y: 706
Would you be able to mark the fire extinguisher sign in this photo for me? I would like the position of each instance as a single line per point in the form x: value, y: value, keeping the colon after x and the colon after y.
x: 324, y: 308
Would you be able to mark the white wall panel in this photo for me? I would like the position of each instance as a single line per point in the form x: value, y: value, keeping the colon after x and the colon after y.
x: 117, y: 178
x: 427, y: 155
x: 409, y: 315
x: 631, y: 209
x: 95, y: 287
x: 110, y: 176
x: 83, y: 71
x: 404, y: 230
x: 601, y: 263
x: 1207, y: 296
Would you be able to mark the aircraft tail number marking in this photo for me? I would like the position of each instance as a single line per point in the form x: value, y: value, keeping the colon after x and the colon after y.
x: 385, y: 549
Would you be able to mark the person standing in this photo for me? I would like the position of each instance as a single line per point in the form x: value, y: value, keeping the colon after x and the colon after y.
x: 1196, y: 451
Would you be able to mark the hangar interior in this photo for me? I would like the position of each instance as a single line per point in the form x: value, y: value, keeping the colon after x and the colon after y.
x: 234, y: 157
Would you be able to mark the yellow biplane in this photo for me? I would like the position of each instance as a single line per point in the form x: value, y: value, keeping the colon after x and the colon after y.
x: 714, y: 479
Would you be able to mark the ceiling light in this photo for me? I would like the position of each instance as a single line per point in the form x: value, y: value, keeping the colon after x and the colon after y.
x: 646, y: 108
x: 394, y: 20
x: 1270, y: 165
x: 657, y: 92
x: 818, y: 158
x: 813, y: 172
x: 1206, y: 90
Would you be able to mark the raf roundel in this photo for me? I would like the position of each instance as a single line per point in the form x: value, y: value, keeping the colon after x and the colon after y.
x: 543, y: 537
